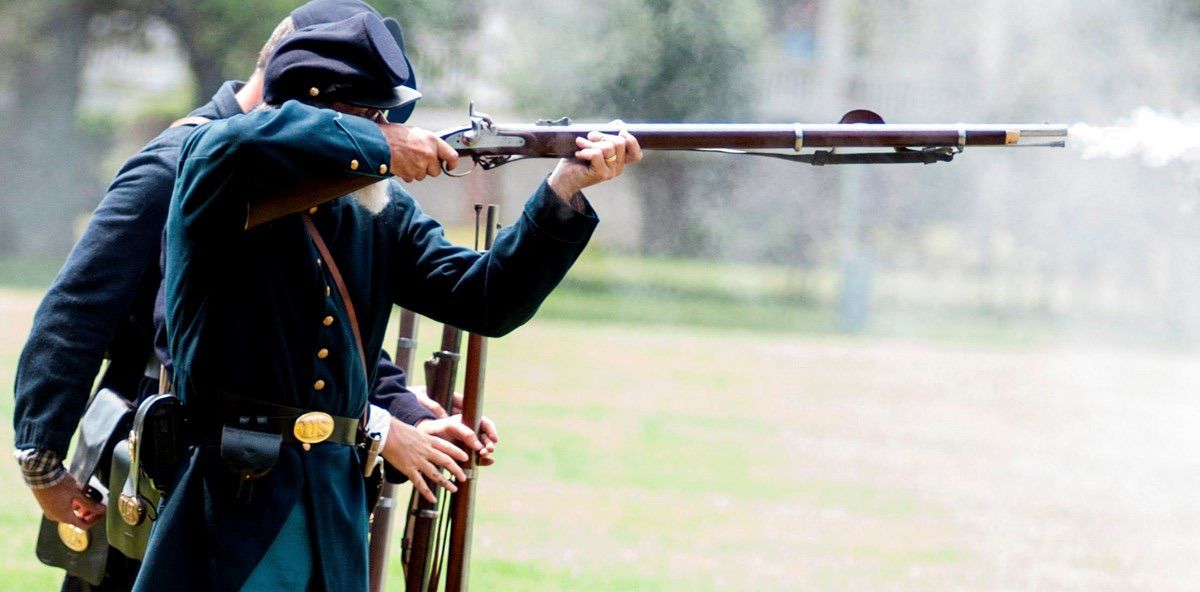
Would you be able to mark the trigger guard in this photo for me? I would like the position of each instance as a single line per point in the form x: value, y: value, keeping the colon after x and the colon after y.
x: 474, y: 163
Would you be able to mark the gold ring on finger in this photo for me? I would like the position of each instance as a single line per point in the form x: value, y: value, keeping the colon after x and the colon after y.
x: 610, y: 159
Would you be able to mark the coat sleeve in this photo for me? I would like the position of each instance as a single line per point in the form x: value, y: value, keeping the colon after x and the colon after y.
x: 494, y: 292
x: 391, y: 392
x: 92, y: 294
x: 248, y: 169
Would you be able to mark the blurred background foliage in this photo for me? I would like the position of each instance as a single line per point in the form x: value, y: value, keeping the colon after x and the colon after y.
x: 83, y: 83
x: 51, y: 142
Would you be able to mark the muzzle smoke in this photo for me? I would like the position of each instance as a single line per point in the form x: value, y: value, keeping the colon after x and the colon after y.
x: 1158, y: 138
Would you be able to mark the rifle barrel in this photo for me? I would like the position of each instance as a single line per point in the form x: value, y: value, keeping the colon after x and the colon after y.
x: 558, y: 141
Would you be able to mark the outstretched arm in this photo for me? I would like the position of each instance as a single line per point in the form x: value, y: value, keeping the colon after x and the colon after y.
x: 495, y: 292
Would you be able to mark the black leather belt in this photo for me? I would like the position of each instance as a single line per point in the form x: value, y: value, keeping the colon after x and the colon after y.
x: 294, y: 424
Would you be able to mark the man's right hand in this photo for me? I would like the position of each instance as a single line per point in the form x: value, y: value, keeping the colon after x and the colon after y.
x: 417, y: 152
x: 420, y: 457
x: 65, y: 502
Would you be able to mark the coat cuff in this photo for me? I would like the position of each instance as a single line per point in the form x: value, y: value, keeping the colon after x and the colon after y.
x: 553, y: 217
x: 30, y: 435
x: 407, y: 409
x: 372, y: 146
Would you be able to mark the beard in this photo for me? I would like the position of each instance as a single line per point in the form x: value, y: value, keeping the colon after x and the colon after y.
x: 373, y: 197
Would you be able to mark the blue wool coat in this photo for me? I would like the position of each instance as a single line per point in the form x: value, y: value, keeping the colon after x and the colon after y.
x: 248, y: 310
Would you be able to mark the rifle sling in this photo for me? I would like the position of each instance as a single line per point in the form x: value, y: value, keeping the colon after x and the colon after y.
x: 340, y: 285
x: 818, y: 158
x: 829, y: 157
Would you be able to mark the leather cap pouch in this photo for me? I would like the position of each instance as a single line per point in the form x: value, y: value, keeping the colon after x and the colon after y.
x: 250, y: 455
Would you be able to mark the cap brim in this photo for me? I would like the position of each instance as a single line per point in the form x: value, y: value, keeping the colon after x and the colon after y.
x: 406, y: 96
x: 400, y: 97
x: 403, y: 112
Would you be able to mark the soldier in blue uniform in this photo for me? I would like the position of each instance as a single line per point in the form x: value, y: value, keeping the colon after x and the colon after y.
x: 100, y: 305
x: 251, y: 301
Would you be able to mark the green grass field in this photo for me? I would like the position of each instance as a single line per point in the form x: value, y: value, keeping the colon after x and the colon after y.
x: 735, y: 445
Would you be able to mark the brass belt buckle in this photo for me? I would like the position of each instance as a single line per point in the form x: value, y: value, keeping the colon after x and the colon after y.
x: 75, y: 538
x: 313, y: 427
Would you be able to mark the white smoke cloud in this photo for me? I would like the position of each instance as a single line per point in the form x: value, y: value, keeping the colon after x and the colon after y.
x: 1158, y: 138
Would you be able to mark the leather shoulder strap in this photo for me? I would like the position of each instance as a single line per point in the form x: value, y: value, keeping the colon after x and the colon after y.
x: 197, y: 120
x: 339, y: 284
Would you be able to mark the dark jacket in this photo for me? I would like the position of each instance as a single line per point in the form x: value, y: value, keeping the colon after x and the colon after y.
x: 103, y: 298
x: 247, y: 310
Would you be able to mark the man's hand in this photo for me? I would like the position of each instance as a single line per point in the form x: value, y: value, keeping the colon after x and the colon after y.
x: 434, y: 407
x: 419, y: 455
x: 417, y: 152
x: 65, y: 502
x: 453, y: 429
x: 423, y: 398
x: 600, y: 157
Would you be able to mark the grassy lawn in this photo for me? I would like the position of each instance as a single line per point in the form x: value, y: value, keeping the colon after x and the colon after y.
x: 674, y: 456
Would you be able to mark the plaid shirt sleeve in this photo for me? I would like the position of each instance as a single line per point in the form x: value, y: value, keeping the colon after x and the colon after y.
x: 40, y: 468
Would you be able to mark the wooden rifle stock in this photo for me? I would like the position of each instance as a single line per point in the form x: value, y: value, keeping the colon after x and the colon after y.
x: 462, y: 507
x: 425, y: 529
x: 381, y: 518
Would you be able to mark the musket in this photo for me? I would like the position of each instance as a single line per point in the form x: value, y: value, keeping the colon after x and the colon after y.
x: 861, y: 137
x: 426, y: 526
x: 462, y: 506
x: 381, y: 518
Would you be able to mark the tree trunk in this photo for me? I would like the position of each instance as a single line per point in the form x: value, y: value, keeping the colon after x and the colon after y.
x: 47, y: 179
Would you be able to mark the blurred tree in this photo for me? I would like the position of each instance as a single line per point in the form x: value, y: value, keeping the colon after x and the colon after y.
x: 646, y: 60
x: 50, y: 174
x: 44, y: 169
x: 222, y: 38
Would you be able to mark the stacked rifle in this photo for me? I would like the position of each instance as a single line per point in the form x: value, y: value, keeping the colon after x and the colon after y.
x: 437, y: 536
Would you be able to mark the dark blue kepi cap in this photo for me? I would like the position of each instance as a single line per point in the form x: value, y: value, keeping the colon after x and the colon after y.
x: 321, y: 12
x: 355, y: 61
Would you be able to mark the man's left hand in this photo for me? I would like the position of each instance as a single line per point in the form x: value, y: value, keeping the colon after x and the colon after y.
x: 452, y: 428
x: 433, y: 406
x: 600, y: 157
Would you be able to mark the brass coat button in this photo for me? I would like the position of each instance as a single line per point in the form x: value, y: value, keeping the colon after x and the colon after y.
x: 383, y: 169
x: 319, y: 385
x: 354, y: 165
x: 322, y: 354
x: 327, y: 291
x: 313, y: 91
x: 327, y: 321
